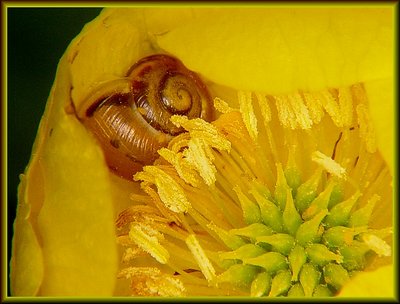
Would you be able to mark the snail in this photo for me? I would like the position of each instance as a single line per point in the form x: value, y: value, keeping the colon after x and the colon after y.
x: 130, y: 117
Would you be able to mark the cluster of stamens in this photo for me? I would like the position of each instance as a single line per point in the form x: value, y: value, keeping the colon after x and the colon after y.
x: 285, y: 207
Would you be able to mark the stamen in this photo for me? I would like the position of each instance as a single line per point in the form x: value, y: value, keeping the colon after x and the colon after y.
x: 293, y: 112
x: 376, y: 244
x: 222, y: 106
x: 264, y: 107
x: 300, y: 111
x: 329, y: 164
x: 201, y: 258
x: 247, y: 111
x: 138, y: 213
x: 149, y: 281
x: 199, y: 128
x: 314, y: 105
x: 132, y: 253
x: 367, y: 132
x: 198, y: 155
x: 338, y: 104
x: 171, y: 194
x: 185, y: 169
x: 148, y: 240
x: 346, y: 106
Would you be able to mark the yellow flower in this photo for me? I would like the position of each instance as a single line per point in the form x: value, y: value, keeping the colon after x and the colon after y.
x: 288, y: 192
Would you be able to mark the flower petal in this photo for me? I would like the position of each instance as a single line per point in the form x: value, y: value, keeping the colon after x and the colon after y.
x: 72, y: 216
x: 378, y: 283
x: 382, y: 110
x: 27, y: 261
x: 278, y: 50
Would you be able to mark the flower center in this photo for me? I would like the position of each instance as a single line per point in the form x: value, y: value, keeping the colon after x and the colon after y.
x: 282, y: 196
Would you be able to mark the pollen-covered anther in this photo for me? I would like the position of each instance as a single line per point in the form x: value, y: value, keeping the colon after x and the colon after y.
x: 171, y: 194
x: 377, y: 244
x: 248, y: 115
x: 338, y: 104
x: 185, y: 169
x: 199, y: 155
x: 138, y: 213
x: 292, y: 111
x: 150, y: 281
x: 222, y: 106
x: 314, y: 105
x: 367, y: 130
x: 148, y: 239
x: 199, y: 128
x: 131, y: 253
x: 329, y: 164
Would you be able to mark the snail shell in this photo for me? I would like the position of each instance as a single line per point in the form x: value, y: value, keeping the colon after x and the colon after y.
x: 130, y: 117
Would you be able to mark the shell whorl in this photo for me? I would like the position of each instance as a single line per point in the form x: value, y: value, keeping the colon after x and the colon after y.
x: 130, y: 117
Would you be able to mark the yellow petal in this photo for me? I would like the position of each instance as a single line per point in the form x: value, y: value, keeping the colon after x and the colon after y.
x: 27, y: 261
x: 70, y: 225
x: 378, y: 283
x: 278, y: 50
x: 383, y: 113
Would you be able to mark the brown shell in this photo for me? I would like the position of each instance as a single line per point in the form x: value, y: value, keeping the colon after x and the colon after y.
x: 130, y: 117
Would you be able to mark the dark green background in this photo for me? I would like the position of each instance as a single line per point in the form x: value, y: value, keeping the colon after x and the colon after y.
x: 37, y: 38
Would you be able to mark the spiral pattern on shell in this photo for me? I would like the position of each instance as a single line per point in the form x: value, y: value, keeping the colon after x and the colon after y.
x: 130, y: 117
x: 162, y: 86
